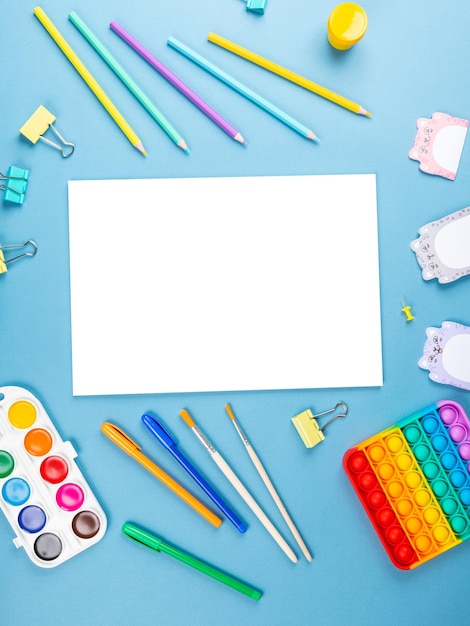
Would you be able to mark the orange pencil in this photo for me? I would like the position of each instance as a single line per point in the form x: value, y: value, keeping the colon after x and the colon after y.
x: 131, y: 448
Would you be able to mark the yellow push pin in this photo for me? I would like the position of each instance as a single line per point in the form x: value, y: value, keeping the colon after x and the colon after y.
x: 308, y: 428
x: 407, y: 311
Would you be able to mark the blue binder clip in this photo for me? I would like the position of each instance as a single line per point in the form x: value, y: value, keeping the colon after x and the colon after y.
x: 16, y: 182
x: 256, y: 6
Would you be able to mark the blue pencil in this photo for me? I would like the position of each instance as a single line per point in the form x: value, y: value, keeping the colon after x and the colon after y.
x: 242, y: 89
x: 159, y: 432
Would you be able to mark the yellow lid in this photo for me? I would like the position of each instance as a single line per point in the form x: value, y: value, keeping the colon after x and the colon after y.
x: 347, y: 24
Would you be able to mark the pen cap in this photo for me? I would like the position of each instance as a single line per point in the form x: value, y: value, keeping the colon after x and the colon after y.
x: 347, y: 24
x: 158, y: 431
x: 141, y: 536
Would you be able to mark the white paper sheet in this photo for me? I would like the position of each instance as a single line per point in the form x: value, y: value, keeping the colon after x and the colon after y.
x: 219, y: 284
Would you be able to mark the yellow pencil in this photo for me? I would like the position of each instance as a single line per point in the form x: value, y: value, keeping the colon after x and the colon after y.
x: 89, y: 80
x: 288, y: 74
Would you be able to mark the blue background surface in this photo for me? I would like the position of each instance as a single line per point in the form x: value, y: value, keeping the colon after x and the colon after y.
x: 412, y: 62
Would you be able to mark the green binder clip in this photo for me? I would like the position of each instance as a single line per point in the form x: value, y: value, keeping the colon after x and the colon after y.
x: 256, y: 6
x: 16, y: 181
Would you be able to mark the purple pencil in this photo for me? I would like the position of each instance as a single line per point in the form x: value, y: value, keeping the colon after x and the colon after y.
x: 176, y: 82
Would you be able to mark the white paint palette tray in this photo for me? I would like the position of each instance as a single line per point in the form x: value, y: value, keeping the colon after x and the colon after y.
x: 43, y: 493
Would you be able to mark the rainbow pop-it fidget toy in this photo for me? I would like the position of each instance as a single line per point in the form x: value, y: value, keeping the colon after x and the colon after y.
x: 413, y: 480
x: 43, y: 494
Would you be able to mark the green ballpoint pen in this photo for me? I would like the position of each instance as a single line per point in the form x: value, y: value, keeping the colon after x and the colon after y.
x: 156, y: 543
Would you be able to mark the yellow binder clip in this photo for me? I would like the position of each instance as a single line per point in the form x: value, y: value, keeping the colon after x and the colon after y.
x: 308, y: 428
x: 31, y: 252
x: 38, y: 124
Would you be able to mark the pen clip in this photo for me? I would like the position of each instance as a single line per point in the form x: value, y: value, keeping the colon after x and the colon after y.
x: 156, y: 428
x: 120, y: 438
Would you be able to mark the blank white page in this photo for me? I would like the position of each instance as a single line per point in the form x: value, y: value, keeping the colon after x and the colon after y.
x: 219, y: 284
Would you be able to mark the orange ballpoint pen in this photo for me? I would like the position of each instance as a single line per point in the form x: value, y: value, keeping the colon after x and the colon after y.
x: 131, y: 448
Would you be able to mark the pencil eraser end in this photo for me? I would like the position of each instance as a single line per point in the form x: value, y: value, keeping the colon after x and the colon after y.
x: 308, y: 428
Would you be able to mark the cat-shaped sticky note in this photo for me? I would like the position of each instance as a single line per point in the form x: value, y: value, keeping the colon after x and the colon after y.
x: 443, y: 247
x: 439, y: 143
x: 446, y: 354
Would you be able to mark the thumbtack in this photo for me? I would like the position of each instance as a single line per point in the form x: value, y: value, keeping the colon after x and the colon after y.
x: 308, y: 428
x: 407, y: 311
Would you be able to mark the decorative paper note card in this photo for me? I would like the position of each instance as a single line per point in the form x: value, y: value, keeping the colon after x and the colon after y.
x: 446, y: 354
x: 218, y: 284
x: 439, y: 143
x: 443, y: 247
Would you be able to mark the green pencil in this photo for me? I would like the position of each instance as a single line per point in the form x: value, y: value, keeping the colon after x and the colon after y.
x: 127, y: 80
x: 157, y: 544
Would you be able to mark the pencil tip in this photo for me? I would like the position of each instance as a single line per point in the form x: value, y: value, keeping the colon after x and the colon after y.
x: 239, y: 137
x: 183, y: 145
x: 311, y: 135
x: 141, y: 148
x: 362, y: 111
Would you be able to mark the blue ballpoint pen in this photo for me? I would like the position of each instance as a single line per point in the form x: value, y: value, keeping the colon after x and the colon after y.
x: 159, y: 432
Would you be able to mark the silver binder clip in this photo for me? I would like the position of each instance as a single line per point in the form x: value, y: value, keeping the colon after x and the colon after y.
x: 33, y: 248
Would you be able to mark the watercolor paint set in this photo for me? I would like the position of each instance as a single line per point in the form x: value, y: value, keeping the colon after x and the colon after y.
x: 413, y: 480
x: 43, y: 493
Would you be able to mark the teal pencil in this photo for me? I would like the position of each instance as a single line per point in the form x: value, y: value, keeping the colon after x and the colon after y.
x: 240, y: 88
x: 128, y: 81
